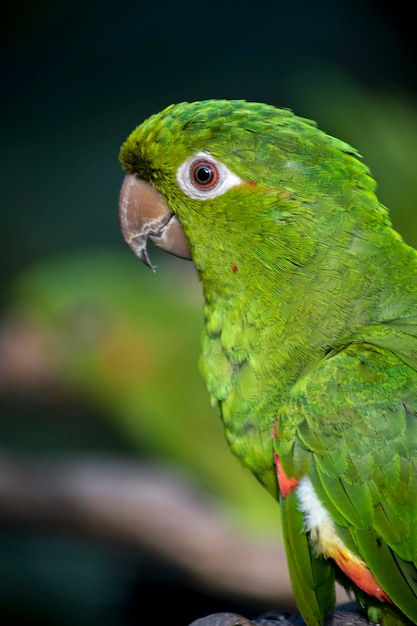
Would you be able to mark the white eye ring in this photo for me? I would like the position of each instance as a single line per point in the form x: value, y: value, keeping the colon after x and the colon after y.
x: 216, y: 178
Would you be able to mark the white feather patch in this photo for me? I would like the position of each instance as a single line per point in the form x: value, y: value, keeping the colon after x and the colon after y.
x: 317, y: 521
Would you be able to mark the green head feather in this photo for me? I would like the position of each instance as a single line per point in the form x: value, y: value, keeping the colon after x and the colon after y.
x: 308, y: 197
x: 295, y: 172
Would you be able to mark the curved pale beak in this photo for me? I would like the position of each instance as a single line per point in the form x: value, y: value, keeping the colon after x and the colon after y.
x: 144, y: 214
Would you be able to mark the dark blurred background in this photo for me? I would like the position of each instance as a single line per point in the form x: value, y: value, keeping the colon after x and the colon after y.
x: 117, y: 492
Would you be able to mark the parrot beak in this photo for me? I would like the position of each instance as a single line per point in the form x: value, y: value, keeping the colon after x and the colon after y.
x: 144, y: 214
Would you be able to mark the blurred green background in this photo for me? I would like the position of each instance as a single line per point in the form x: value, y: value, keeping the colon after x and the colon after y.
x: 98, y: 356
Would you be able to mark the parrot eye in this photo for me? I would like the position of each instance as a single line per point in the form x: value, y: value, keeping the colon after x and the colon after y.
x: 204, y: 174
x: 202, y: 177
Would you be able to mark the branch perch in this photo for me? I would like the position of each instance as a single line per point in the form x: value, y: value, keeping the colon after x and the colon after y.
x: 144, y: 505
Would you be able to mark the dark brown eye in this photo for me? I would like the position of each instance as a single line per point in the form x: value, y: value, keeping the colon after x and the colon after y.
x: 204, y: 174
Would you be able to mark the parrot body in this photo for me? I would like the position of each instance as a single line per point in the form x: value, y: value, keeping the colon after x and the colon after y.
x: 310, y: 337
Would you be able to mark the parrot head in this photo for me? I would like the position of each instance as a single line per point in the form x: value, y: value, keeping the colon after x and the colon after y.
x: 267, y: 179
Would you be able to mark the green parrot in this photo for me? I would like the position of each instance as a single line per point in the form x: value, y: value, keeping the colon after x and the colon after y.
x: 309, y: 345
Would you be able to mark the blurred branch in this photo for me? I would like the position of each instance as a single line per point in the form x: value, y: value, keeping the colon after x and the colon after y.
x: 338, y: 618
x: 145, y: 506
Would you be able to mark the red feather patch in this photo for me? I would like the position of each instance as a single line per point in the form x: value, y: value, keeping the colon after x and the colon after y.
x: 359, y: 574
x: 286, y: 484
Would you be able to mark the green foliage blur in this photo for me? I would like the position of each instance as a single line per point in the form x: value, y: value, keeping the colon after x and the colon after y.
x: 126, y: 345
x: 120, y: 342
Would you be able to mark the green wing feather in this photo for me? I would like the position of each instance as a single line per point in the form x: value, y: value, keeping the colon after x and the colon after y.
x: 363, y: 403
x: 312, y: 578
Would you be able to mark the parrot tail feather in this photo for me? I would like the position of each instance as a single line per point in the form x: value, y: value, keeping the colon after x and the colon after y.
x: 356, y: 570
x: 327, y: 543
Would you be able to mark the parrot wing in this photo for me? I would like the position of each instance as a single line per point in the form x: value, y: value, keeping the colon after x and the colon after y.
x: 347, y: 442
